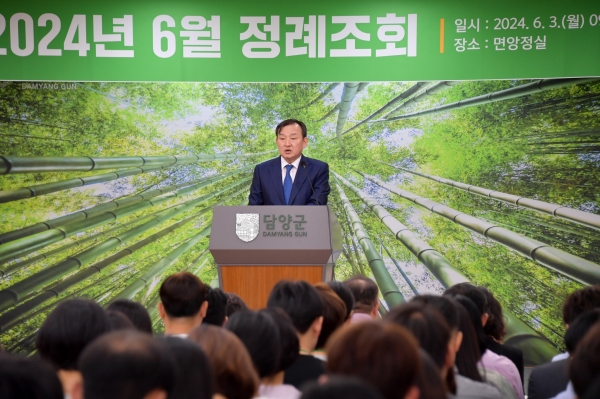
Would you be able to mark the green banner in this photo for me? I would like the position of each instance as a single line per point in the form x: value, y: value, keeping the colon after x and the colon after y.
x: 272, y: 41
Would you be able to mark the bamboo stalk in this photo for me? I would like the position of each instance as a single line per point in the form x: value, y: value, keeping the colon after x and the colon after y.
x: 388, y: 288
x: 425, y: 94
x: 345, y: 104
x: 574, y: 267
x: 404, y: 275
x: 405, y: 94
x: 11, y: 164
x: 514, y: 92
x: 47, y: 188
x: 573, y: 215
x: 114, y: 204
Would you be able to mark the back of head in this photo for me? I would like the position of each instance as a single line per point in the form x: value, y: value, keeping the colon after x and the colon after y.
x: 334, y: 313
x: 234, y: 304
x: 365, y: 292
x: 473, y: 293
x: 135, y: 311
x: 234, y: 373
x: 194, y: 377
x: 430, y: 381
x: 118, y: 321
x: 383, y: 355
x: 300, y: 300
x: 338, y: 387
x: 126, y: 364
x: 288, y: 336
x: 70, y: 327
x: 217, y: 307
x: 428, y: 327
x: 345, y: 295
x: 580, y: 327
x: 31, y: 378
x: 579, y: 301
x: 182, y: 295
x: 445, y: 305
x: 584, y: 366
x: 260, y: 336
x: 494, y: 327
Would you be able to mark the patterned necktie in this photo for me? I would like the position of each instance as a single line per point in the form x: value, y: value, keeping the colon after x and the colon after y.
x: 287, y: 184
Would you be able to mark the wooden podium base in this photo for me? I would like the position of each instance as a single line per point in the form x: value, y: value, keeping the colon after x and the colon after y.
x: 254, y: 283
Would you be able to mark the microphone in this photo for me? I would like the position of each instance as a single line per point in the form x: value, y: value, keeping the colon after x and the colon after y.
x: 303, y: 163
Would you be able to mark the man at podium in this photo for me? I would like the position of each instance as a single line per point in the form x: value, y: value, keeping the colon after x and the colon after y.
x: 291, y: 178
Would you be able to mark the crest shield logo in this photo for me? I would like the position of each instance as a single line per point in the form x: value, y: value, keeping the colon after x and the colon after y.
x: 246, y: 226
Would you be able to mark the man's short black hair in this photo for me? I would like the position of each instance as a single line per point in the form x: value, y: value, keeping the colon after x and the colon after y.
x: 445, y: 305
x: 135, y: 311
x: 345, y: 295
x: 217, y: 307
x: 288, y: 122
x: 182, y: 294
x: 472, y: 292
x: 118, y: 321
x: 365, y: 292
x: 70, y: 327
x: 28, y: 377
x: 260, y: 336
x: 579, y: 301
x: 234, y: 303
x: 126, y: 364
x: 300, y: 300
x: 580, y: 327
x: 194, y: 376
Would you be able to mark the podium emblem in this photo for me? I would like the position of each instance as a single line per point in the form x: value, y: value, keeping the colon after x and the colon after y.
x: 246, y: 226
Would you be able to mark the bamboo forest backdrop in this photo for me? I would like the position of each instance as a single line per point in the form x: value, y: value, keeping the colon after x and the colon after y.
x: 108, y: 187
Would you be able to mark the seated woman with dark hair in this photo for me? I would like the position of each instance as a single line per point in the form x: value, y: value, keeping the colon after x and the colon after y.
x: 67, y: 331
x: 234, y: 373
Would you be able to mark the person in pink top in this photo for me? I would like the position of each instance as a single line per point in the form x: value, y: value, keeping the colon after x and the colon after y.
x: 366, y: 298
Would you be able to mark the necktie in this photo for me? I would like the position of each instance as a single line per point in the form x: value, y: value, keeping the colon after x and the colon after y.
x: 287, y: 184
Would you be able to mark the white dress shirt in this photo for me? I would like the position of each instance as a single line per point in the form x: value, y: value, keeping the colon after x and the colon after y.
x: 284, y: 163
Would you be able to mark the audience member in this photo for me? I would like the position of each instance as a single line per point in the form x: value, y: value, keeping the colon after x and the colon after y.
x: 216, y: 314
x: 366, y: 298
x: 28, y: 378
x: 584, y: 368
x: 118, y: 321
x: 433, y: 334
x: 384, y: 355
x: 66, y: 332
x: 234, y: 374
x: 338, y: 387
x: 126, y: 364
x: 334, y: 315
x: 345, y: 295
x: 495, y: 369
x: 273, y: 387
x: 182, y: 303
x: 551, y: 380
x: 193, y: 376
x: 465, y: 387
x: 135, y: 311
x: 303, y: 303
x: 495, y: 331
x: 259, y: 334
x: 234, y: 304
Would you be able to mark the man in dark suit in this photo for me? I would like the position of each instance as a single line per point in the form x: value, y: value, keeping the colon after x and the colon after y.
x: 286, y: 180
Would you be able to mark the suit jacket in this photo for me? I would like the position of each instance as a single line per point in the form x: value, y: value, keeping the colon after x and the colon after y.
x: 515, y: 355
x: 548, y: 380
x: 267, y: 185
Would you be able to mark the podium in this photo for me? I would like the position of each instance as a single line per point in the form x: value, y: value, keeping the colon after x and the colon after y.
x: 254, y: 247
